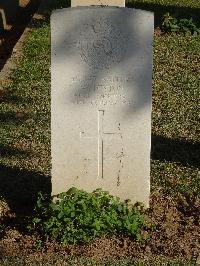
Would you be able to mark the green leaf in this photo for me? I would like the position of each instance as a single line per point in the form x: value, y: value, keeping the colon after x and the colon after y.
x: 79, y: 216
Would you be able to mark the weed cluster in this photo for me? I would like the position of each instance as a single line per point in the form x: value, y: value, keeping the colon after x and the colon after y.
x: 78, y: 216
x: 186, y: 26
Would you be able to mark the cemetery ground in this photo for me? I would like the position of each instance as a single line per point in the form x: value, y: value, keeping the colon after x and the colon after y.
x: 174, y: 213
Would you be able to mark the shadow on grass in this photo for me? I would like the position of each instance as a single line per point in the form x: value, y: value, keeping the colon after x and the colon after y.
x: 159, y: 10
x: 174, y: 150
x: 20, y: 188
x: 10, y: 97
x: 44, y: 13
x: 7, y: 151
x: 13, y: 118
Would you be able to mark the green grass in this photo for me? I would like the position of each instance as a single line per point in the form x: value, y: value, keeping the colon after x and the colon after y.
x: 175, y: 3
x: 176, y: 87
x: 176, y: 8
x: 175, y: 113
x: 25, y: 122
x: 25, y: 113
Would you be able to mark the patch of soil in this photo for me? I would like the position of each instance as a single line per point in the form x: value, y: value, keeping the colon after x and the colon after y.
x: 176, y: 234
x: 158, y: 31
x: 13, y: 31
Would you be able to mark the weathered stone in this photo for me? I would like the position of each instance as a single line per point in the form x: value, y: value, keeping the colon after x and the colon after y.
x: 120, y: 3
x: 101, y: 100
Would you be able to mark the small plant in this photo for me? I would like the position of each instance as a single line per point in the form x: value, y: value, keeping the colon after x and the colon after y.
x: 172, y: 24
x: 78, y: 216
x: 188, y: 26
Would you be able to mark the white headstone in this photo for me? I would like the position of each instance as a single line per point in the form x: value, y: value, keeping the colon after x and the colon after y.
x: 75, y: 3
x: 101, y: 100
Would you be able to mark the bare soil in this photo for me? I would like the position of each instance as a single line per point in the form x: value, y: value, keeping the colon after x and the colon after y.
x: 176, y: 234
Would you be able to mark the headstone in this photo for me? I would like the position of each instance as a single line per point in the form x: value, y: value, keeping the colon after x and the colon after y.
x: 101, y: 100
x: 75, y: 3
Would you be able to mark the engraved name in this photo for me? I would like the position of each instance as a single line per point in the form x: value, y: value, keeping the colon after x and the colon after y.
x: 110, y: 90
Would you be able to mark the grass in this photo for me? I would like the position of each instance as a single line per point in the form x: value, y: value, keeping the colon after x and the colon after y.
x: 174, y: 3
x: 175, y: 113
x: 25, y: 122
x: 25, y: 111
x: 177, y: 8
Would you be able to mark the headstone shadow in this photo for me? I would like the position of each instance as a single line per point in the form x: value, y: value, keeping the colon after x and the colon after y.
x: 175, y: 150
x: 46, y: 7
x: 20, y: 187
x: 159, y: 10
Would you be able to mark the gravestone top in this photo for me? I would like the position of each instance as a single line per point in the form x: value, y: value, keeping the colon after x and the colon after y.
x: 101, y: 100
x: 119, y: 3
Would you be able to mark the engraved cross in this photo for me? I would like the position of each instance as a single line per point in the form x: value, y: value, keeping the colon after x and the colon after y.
x: 100, y: 147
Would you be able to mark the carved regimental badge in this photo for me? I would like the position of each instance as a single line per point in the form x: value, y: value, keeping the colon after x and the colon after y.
x: 101, y: 45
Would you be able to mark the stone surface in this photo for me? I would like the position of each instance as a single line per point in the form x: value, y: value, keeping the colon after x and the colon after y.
x: 120, y: 3
x: 101, y: 100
